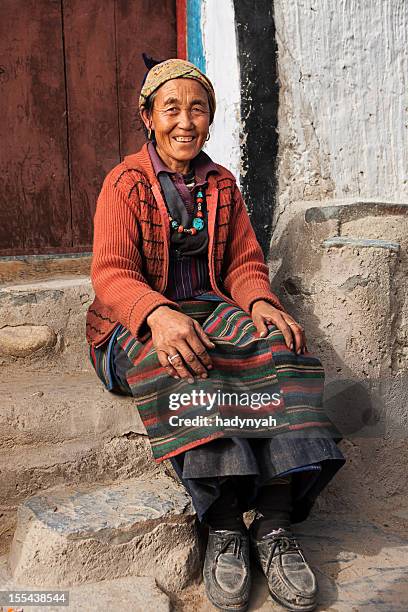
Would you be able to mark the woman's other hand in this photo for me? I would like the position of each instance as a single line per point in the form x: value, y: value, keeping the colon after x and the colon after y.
x: 263, y: 313
x: 175, y: 333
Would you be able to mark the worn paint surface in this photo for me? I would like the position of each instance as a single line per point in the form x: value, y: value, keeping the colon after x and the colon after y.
x: 195, y: 49
x: 239, y: 48
x: 70, y: 74
x: 220, y: 48
x: 343, y: 71
x: 92, y: 121
x: 33, y: 152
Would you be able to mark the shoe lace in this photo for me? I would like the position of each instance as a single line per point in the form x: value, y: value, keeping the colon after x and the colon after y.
x: 228, y: 543
x: 285, y: 544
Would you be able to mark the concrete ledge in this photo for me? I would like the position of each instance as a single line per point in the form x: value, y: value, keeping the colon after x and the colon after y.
x: 354, y: 210
x: 68, y: 536
x: 340, y: 241
x: 41, y: 408
x: 24, y: 268
x: 26, y: 470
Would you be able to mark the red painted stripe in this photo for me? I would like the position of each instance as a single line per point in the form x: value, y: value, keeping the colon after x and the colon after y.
x: 188, y: 446
x: 181, y: 14
x: 300, y: 388
x: 246, y: 363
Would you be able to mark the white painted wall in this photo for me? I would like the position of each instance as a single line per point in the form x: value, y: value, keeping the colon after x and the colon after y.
x: 220, y: 47
x: 343, y: 123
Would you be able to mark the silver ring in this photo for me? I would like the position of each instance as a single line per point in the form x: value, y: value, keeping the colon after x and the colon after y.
x: 171, y: 357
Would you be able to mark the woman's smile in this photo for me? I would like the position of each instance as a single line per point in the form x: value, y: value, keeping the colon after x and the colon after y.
x: 183, y: 139
x: 180, y: 120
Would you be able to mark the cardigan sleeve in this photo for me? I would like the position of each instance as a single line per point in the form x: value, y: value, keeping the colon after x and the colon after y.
x: 116, y: 270
x: 246, y: 276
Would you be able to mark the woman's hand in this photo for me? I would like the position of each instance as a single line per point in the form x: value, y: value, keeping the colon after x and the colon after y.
x: 175, y: 333
x: 263, y: 313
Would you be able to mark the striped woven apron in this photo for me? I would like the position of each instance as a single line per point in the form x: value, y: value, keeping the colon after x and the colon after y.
x: 288, y: 388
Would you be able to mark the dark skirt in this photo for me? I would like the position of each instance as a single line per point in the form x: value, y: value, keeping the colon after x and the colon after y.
x: 255, y: 461
x: 311, y: 461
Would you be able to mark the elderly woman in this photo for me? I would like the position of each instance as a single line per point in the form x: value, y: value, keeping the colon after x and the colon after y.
x: 183, y: 303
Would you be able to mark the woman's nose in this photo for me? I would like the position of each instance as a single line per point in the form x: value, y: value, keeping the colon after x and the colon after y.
x: 185, y: 119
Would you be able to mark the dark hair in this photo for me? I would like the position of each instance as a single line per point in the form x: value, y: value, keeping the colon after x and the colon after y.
x: 148, y: 106
x: 149, y: 62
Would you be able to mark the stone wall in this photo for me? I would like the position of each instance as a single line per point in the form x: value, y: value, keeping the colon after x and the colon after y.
x: 340, y: 270
x: 339, y: 249
x: 343, y: 72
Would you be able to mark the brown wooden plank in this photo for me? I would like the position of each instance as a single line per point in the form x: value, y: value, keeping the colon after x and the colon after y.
x: 34, y: 193
x: 44, y: 251
x: 42, y: 267
x: 89, y: 32
x: 141, y: 25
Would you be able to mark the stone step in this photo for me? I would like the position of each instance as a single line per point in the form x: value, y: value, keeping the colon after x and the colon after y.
x: 42, y: 407
x: 359, y: 566
x: 72, y: 535
x: 27, y: 469
x: 133, y: 593
x: 44, y: 322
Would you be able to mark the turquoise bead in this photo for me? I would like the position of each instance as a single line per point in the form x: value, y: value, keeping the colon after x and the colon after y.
x: 198, y: 223
x: 174, y: 224
x: 199, y: 194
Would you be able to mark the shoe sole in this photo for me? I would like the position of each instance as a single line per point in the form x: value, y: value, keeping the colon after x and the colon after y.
x: 290, y: 606
x: 230, y: 608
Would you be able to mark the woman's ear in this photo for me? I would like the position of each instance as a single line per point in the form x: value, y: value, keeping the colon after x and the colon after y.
x: 146, y: 118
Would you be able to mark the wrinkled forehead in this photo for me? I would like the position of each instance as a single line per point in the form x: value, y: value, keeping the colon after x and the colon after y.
x: 181, y: 90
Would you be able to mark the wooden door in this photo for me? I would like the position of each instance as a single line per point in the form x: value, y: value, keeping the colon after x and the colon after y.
x: 70, y: 74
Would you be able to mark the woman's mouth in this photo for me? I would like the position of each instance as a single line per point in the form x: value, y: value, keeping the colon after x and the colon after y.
x: 184, y: 139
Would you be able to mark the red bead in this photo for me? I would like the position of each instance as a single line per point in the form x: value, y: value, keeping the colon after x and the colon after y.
x: 180, y: 229
x: 199, y: 214
x: 193, y: 231
x: 199, y: 200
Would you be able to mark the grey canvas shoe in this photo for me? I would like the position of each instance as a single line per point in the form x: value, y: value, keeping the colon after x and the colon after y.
x: 226, y: 572
x: 291, y: 581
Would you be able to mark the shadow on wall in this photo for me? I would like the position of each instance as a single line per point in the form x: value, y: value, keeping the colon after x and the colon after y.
x: 341, y: 273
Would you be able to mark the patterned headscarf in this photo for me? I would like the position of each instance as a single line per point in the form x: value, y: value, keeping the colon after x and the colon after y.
x: 175, y: 69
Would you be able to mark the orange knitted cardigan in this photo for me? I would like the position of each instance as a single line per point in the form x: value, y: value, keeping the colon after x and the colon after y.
x: 131, y: 249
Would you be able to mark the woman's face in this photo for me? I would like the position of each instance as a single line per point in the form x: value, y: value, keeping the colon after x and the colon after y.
x: 180, y: 119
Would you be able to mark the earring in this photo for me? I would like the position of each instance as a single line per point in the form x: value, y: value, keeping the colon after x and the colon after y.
x: 208, y: 137
x: 149, y: 134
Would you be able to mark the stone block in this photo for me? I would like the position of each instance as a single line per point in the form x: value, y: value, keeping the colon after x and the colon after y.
x: 24, y: 340
x: 72, y: 535
x: 48, y: 319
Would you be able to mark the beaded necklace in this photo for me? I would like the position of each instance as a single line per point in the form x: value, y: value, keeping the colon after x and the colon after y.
x: 198, y: 221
